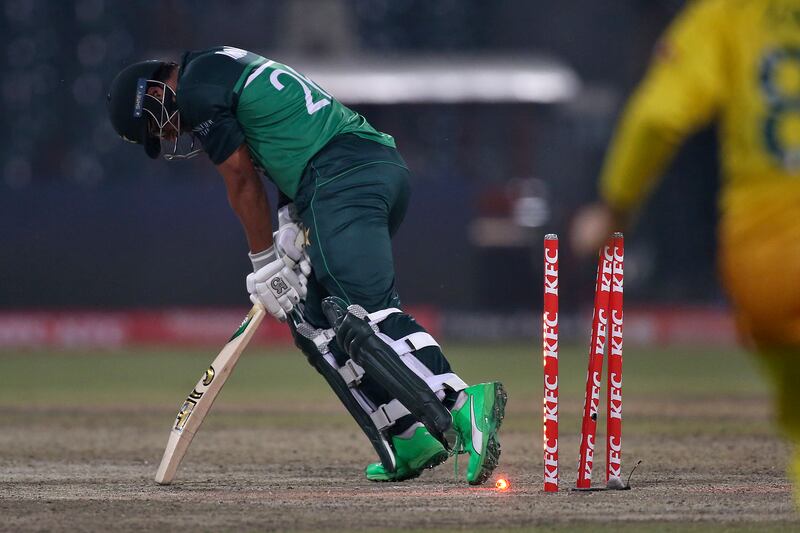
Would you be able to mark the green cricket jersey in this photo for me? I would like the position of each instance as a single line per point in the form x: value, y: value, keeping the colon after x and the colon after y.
x: 230, y: 97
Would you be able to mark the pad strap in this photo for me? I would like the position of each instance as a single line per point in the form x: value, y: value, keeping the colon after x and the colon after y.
x: 384, y: 416
x: 413, y: 342
x: 379, y: 316
x: 320, y: 337
x: 356, y: 403
x: 405, y: 348
x: 446, y: 381
x: 387, y: 414
x: 352, y: 373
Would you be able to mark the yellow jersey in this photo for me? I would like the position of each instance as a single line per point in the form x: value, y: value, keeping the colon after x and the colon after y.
x: 734, y: 61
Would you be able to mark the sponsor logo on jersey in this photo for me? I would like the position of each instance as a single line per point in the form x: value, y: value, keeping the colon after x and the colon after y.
x: 203, y: 128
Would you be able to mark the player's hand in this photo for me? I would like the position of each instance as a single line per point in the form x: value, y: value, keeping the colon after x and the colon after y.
x: 276, y: 284
x: 591, y: 228
x: 290, y: 239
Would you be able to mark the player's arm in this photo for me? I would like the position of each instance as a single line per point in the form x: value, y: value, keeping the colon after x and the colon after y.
x: 273, y: 282
x: 247, y: 198
x: 209, y: 107
x: 680, y: 94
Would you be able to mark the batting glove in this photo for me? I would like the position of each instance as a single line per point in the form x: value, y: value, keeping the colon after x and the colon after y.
x: 290, y: 239
x: 275, y: 283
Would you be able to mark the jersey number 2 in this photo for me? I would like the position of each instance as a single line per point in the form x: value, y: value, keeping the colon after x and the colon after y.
x: 304, y: 82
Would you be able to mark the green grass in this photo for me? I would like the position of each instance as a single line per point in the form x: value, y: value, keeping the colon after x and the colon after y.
x: 153, y: 377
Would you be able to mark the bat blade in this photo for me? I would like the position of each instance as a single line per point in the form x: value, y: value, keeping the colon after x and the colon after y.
x: 197, y: 404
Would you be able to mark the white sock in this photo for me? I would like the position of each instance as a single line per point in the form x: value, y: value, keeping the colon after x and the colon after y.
x: 407, y: 434
x: 460, y: 401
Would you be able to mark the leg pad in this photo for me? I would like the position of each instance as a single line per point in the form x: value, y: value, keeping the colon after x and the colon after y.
x: 361, y: 342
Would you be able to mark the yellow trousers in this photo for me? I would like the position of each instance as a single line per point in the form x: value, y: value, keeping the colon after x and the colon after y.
x: 760, y: 267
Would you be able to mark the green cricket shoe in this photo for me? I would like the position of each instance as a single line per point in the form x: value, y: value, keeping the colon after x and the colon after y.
x: 477, y: 422
x: 413, y: 455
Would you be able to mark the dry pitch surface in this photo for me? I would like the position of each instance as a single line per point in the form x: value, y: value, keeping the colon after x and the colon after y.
x: 80, y: 437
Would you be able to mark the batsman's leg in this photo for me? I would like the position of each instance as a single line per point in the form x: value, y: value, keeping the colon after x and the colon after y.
x: 356, y: 336
x: 351, y: 214
x: 477, y: 411
x: 402, y: 456
x: 313, y: 343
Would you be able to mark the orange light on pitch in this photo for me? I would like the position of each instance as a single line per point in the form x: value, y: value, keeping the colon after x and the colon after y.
x: 502, y: 485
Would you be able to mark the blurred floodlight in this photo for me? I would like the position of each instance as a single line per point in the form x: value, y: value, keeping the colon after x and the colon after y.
x: 436, y: 79
x: 491, y: 232
x: 531, y: 212
x: 445, y: 80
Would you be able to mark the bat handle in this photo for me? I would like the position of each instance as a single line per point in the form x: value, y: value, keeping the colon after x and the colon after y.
x: 296, y: 316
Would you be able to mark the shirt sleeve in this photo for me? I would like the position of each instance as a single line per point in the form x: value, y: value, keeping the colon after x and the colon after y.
x: 208, y: 109
x: 680, y: 93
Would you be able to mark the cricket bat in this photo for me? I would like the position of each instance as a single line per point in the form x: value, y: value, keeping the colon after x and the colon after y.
x: 194, y: 410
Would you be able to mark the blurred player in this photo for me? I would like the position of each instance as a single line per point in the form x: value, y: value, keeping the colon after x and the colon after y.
x: 343, y: 193
x: 736, y: 62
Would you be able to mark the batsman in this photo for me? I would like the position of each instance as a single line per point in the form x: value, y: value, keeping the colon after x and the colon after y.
x: 328, y: 270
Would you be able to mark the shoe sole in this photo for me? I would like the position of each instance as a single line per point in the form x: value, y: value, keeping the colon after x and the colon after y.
x: 491, y: 456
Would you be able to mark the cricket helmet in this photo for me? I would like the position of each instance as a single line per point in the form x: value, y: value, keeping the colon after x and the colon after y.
x: 143, y: 118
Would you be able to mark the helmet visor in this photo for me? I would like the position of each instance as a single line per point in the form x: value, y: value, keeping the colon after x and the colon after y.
x: 163, y: 124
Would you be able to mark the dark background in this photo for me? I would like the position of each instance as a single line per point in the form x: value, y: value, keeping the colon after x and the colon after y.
x: 88, y: 221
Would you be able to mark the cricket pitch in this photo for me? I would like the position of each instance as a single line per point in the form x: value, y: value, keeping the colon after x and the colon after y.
x: 82, y: 435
